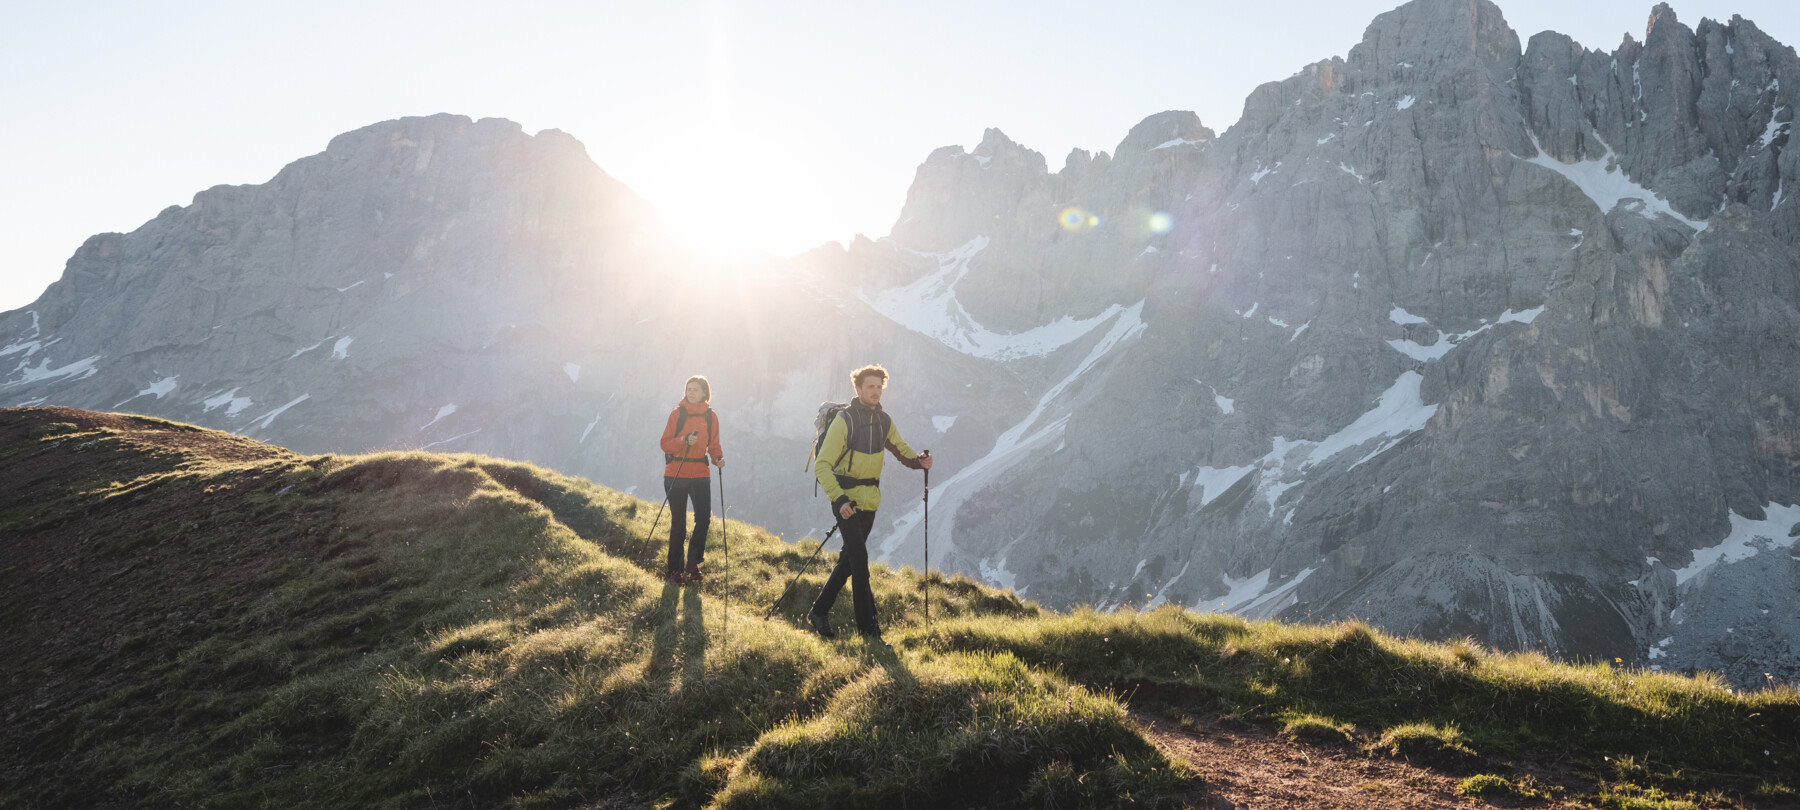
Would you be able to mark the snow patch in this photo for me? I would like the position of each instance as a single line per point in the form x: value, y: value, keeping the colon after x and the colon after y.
x: 1326, y: 139
x: 943, y: 423
x: 29, y: 347
x: 264, y: 420
x: 353, y: 286
x: 996, y: 573
x: 573, y: 370
x: 1213, y: 481
x: 1400, y: 412
x: 451, y: 439
x: 1173, y: 143
x: 1521, y: 316
x: 78, y: 370
x: 299, y: 352
x: 1349, y: 171
x: 233, y: 403
x: 1404, y: 103
x: 1773, y: 130
x: 1746, y: 539
x: 341, y: 349
x: 443, y: 412
x: 1251, y: 597
x: 1604, y: 182
x: 159, y: 388
x: 1403, y: 318
x: 1447, y: 341
x: 929, y: 306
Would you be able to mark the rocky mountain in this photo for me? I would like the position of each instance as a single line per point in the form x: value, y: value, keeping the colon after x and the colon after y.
x: 1454, y: 334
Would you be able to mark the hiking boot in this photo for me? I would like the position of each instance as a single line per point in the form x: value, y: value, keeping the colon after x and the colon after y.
x: 675, y: 579
x: 820, y: 625
x: 694, y: 575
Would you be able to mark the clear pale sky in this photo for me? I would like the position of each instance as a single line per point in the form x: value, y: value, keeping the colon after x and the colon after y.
x: 775, y: 124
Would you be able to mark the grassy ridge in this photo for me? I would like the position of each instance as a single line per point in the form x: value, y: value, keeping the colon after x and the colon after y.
x: 207, y: 622
x: 1453, y: 705
x: 408, y: 629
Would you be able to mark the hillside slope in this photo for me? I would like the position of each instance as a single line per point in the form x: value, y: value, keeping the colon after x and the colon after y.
x: 200, y: 620
x: 208, y: 621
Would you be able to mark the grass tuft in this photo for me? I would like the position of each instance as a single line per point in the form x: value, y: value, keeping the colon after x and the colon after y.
x: 1315, y: 728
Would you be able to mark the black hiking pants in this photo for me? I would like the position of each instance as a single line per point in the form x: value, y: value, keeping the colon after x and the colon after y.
x: 680, y: 492
x: 853, y: 564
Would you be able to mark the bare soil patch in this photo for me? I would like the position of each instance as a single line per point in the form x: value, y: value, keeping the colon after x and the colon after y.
x: 1246, y: 766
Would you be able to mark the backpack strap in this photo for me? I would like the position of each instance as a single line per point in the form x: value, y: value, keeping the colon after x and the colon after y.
x: 844, y: 414
x: 712, y: 430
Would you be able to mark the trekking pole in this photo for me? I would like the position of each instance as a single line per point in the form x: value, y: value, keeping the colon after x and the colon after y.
x: 803, y: 569
x: 650, y: 538
x: 928, y: 547
x: 725, y: 537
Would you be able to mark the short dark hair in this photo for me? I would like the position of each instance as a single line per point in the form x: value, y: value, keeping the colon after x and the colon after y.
x: 871, y: 370
x: 705, y: 387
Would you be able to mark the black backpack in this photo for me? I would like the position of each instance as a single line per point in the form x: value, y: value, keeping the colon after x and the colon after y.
x: 712, y: 430
x: 822, y: 422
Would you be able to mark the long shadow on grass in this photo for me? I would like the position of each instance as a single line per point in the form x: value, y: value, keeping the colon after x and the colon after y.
x: 891, y: 661
x: 679, y: 638
x: 693, y: 637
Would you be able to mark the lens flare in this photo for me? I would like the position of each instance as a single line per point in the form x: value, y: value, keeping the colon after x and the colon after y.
x: 1074, y: 219
x: 1162, y: 222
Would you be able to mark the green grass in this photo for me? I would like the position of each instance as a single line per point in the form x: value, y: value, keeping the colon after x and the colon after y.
x: 1446, y: 705
x: 414, y: 630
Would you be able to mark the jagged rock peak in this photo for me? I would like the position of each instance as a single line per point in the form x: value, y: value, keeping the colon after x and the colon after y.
x: 1661, y: 13
x: 1424, y: 33
x: 1080, y: 164
x: 1170, y: 128
x: 1002, y: 150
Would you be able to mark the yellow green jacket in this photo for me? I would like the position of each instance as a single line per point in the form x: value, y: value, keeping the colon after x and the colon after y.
x: 854, y: 443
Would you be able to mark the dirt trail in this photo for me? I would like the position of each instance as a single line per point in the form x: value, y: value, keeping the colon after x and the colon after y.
x: 1247, y: 767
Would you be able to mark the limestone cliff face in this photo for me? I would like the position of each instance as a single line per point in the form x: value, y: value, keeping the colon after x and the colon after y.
x: 1456, y: 336
x: 1451, y: 334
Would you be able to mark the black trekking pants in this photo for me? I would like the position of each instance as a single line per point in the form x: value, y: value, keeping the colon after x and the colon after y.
x: 680, y: 491
x: 853, y: 564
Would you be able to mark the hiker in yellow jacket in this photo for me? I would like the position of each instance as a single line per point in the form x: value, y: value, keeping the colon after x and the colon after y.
x: 849, y: 470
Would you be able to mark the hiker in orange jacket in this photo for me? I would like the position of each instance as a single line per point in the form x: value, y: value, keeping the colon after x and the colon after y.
x: 691, y: 435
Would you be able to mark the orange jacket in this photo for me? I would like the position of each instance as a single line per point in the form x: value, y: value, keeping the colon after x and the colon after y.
x: 690, y: 462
